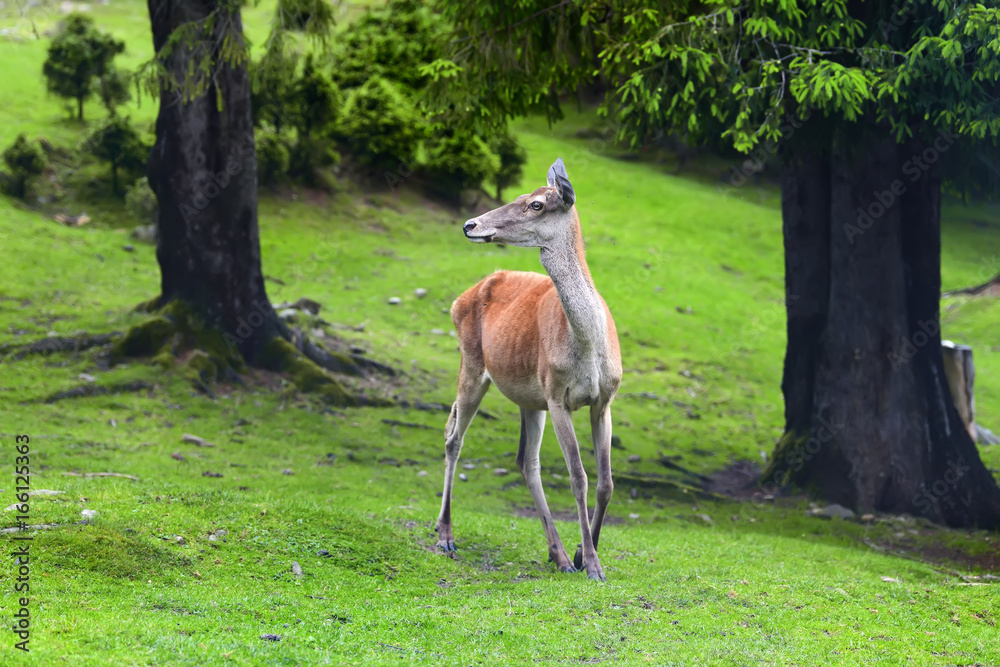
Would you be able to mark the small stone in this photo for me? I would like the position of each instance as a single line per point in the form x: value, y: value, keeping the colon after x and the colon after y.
x: 462, y: 476
x: 177, y: 456
x: 308, y: 305
x: 437, y: 332
x: 420, y: 292
x: 616, y: 442
x: 287, y: 313
x: 395, y: 301
x: 704, y: 517
x: 296, y: 569
x: 469, y: 466
x: 500, y: 472
x: 867, y: 517
x: 287, y: 471
x: 634, y: 458
x: 88, y: 514
x: 209, y: 473
x: 128, y: 248
x: 633, y: 515
x: 213, y: 538
x: 834, y: 511
x: 195, y: 440
x: 145, y: 233
x: 271, y: 638
x: 422, y: 473
x: 180, y: 540
x: 85, y: 377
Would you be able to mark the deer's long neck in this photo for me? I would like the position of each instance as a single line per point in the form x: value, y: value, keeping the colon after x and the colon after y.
x: 566, y: 264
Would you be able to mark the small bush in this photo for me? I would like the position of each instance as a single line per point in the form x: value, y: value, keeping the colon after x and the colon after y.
x: 380, y: 125
x: 273, y: 157
x: 271, y: 93
x: 391, y: 42
x: 140, y: 201
x: 79, y: 56
x: 119, y: 144
x: 25, y: 160
x: 459, y: 161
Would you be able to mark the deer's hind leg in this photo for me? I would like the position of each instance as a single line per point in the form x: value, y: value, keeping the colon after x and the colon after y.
x: 472, y: 385
x: 532, y: 427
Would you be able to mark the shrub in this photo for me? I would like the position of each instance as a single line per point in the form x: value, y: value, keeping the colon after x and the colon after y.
x: 113, y: 89
x: 25, y: 160
x: 78, y: 57
x: 316, y: 100
x: 391, y: 42
x: 140, y: 201
x: 380, y: 125
x: 458, y: 161
x: 273, y: 158
x: 119, y: 144
x: 273, y: 81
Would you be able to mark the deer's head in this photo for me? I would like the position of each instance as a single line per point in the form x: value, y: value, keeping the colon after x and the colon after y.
x: 530, y: 221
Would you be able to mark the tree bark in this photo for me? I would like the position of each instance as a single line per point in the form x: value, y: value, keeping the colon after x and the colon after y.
x: 869, y: 418
x: 203, y: 171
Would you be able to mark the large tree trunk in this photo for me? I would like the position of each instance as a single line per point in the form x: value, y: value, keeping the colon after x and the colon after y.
x: 869, y: 419
x: 204, y: 173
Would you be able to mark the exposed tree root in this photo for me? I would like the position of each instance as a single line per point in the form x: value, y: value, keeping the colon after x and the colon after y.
x: 993, y: 282
x: 281, y: 356
x: 176, y: 336
x: 47, y: 346
x: 98, y: 390
x: 788, y: 453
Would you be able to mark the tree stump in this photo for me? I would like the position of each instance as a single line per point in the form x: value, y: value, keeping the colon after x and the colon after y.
x: 961, y: 374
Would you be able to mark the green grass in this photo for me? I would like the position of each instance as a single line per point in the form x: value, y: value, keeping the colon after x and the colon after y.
x: 759, y: 584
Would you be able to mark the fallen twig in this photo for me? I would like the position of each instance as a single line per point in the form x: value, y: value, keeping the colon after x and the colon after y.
x: 195, y: 440
x: 102, y: 474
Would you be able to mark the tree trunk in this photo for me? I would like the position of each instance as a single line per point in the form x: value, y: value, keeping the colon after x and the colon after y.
x: 79, y: 107
x: 869, y: 418
x: 960, y: 372
x: 114, y: 176
x: 203, y: 171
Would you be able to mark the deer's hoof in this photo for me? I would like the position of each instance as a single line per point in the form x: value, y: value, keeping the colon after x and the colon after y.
x: 578, y: 559
x: 597, y: 575
x: 448, y: 546
x: 568, y: 569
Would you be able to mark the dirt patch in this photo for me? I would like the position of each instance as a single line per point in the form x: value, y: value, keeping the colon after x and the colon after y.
x: 565, y: 515
x: 736, y: 481
x: 941, y: 555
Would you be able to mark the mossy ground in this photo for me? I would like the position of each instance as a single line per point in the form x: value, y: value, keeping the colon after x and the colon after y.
x: 338, y: 490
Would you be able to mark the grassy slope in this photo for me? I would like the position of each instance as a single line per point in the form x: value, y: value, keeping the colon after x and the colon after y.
x: 754, y: 586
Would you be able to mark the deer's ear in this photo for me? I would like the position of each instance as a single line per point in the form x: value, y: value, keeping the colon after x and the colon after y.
x: 558, y: 179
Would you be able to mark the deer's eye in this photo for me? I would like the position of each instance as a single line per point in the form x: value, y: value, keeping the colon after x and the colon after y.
x: 536, y: 205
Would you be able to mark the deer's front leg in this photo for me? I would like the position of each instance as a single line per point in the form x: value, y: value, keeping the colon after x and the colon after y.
x: 600, y: 431
x: 562, y: 421
x: 472, y: 386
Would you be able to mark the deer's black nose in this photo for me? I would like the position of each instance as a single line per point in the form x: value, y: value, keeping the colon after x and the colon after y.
x: 469, y: 226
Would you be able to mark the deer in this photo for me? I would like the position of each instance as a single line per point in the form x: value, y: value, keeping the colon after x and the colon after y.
x: 549, y: 344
